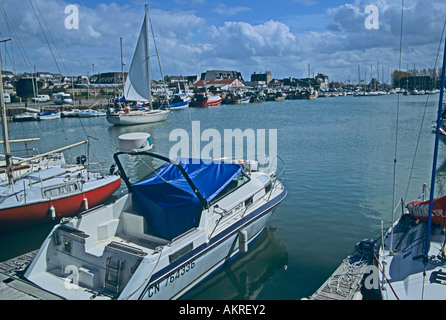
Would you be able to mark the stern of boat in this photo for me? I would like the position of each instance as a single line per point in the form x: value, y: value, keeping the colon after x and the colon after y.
x: 95, y: 255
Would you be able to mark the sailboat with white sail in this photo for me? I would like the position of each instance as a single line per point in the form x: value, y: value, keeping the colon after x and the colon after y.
x: 137, y: 87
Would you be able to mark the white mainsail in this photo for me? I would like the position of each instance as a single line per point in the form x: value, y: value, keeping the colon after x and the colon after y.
x: 137, y: 85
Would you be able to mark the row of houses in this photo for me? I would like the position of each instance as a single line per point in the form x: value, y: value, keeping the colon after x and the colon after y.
x: 217, y: 80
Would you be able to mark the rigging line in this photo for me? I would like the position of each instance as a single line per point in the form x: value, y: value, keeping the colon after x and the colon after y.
x: 158, y: 57
x: 424, y: 115
x: 19, y: 44
x: 51, y: 36
x: 7, y: 54
x: 44, y: 35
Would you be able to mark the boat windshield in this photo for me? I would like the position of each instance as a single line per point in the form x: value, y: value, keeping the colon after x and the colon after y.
x: 240, y: 179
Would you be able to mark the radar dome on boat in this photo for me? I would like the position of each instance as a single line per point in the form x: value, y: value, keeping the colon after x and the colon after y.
x: 135, y: 142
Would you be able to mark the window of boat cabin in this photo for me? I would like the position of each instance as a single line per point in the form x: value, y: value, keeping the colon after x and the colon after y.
x: 239, y: 180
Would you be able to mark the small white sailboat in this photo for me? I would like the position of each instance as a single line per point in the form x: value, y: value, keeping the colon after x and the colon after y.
x: 137, y: 87
x: 175, y: 227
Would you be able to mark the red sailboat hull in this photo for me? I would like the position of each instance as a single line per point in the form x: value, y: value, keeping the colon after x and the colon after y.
x: 32, y: 214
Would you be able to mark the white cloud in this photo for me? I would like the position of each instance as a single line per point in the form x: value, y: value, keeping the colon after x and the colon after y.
x: 225, y: 10
x: 190, y: 42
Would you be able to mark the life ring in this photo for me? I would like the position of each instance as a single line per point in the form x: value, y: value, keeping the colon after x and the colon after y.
x: 126, y: 109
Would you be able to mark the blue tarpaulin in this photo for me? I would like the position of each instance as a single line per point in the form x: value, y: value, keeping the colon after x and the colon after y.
x: 118, y: 99
x: 168, y: 202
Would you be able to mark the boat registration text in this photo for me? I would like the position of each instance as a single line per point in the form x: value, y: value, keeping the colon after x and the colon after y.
x: 169, y: 279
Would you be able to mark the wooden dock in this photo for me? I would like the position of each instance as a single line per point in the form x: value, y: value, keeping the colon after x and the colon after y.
x: 344, y: 283
x: 13, y: 287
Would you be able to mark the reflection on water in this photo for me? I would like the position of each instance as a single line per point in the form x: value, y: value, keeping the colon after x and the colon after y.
x: 244, y: 277
x: 339, y: 155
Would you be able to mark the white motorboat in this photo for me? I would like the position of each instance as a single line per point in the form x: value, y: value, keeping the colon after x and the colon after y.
x: 90, y: 113
x: 25, y: 116
x: 176, y: 226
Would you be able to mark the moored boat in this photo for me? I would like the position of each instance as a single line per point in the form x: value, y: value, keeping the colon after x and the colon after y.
x: 48, y: 115
x: 138, y: 88
x: 90, y: 113
x: 244, y: 100
x: 211, y: 100
x: 177, y: 225
x: 25, y: 116
x: 52, y: 193
x: 411, y: 259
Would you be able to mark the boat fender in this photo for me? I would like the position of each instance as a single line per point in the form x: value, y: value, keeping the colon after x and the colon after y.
x: 52, y: 212
x: 243, y: 240
x: 85, y: 203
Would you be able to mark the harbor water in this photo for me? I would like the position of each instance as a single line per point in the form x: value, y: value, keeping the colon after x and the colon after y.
x: 339, y: 154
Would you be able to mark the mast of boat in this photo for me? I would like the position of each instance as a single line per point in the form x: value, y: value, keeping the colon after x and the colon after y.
x: 122, y: 68
x: 434, y: 165
x: 146, y: 20
x: 6, y: 145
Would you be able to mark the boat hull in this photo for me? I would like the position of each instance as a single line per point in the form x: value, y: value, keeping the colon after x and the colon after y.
x: 39, y: 212
x: 179, y: 105
x: 49, y: 116
x: 212, y: 102
x: 244, y: 100
x: 133, y: 118
x: 178, y: 278
x: 27, y: 116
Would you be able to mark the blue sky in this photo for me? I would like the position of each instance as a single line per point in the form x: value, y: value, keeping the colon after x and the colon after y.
x: 193, y: 36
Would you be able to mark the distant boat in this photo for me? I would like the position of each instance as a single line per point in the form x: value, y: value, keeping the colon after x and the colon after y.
x: 90, y: 113
x: 180, y: 101
x: 70, y: 114
x: 48, y: 115
x: 244, y: 100
x: 309, y: 94
x: 179, y: 105
x: 211, y: 100
x: 137, y: 87
x: 25, y: 116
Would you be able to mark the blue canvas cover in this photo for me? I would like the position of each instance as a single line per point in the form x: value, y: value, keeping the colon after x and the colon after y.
x: 168, y: 202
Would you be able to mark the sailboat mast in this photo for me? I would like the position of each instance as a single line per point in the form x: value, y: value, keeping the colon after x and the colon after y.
x: 146, y: 20
x: 7, y: 146
x: 434, y: 165
x: 122, y: 69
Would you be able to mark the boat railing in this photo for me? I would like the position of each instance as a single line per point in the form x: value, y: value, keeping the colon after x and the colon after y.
x: 276, y: 167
